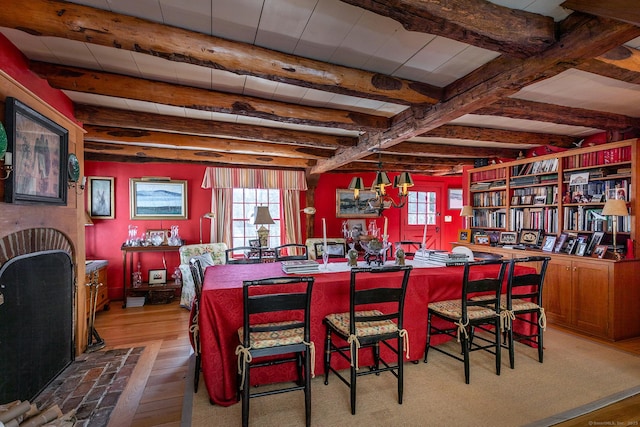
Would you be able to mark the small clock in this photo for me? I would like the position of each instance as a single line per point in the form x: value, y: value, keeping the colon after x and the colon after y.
x: 73, y: 168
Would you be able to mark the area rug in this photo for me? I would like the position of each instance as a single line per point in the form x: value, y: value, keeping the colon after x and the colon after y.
x: 88, y: 390
x: 577, y: 376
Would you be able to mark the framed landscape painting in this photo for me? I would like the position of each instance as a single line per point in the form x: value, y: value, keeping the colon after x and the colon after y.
x: 348, y: 207
x: 158, y: 199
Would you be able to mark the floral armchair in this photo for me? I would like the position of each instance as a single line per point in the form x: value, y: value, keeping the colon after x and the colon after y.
x: 216, y: 250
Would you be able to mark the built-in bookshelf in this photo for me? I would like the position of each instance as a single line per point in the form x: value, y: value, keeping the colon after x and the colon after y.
x: 558, y: 193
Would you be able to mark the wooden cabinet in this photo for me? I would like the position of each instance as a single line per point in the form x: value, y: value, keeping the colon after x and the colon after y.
x: 103, y: 301
x: 593, y: 296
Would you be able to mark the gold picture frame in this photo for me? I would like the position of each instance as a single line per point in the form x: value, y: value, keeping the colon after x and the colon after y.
x: 464, y: 235
x: 348, y: 207
x: 146, y: 192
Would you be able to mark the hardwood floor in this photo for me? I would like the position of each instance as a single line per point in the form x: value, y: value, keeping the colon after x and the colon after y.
x: 157, y: 398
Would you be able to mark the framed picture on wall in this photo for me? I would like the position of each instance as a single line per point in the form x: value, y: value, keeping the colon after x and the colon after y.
x: 455, y: 198
x: 348, y: 207
x: 100, y: 197
x: 152, y: 198
x: 39, y: 148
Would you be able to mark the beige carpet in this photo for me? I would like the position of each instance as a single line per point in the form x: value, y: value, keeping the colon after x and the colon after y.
x: 576, y: 377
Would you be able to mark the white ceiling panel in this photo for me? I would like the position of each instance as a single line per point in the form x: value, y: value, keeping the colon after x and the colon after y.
x: 507, y: 123
x: 194, y: 15
x: 147, y: 9
x: 282, y: 22
x: 236, y: 19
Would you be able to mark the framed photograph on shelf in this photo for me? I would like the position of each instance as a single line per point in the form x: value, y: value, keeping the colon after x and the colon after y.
x: 548, y: 243
x: 254, y: 243
x: 560, y: 241
x: 481, y: 239
x: 40, y: 150
x: 100, y: 197
x: 599, y: 251
x: 596, y: 238
x: 455, y: 198
x: 529, y: 237
x: 508, y: 238
x: 494, y: 237
x: 155, y: 198
x: 464, y: 235
x: 157, y: 237
x: 157, y: 277
x: 582, y: 248
x: 348, y: 207
x: 571, y: 245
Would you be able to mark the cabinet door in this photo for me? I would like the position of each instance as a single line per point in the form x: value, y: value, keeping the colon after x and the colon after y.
x: 590, y: 297
x: 556, y: 293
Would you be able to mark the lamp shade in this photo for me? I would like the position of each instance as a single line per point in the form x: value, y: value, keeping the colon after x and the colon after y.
x: 382, y: 180
x: 261, y: 215
x: 466, y: 210
x: 356, y: 183
x: 404, y: 179
x: 615, y: 207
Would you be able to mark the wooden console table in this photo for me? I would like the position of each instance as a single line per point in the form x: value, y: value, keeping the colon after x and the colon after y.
x: 127, y: 268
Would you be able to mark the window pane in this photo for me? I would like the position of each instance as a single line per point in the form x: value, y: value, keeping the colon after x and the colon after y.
x: 244, y: 204
x: 421, y: 206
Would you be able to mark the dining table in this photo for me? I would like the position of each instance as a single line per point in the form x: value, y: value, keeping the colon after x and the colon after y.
x: 221, y: 314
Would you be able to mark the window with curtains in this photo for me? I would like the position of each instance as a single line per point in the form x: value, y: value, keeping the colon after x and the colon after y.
x: 244, y: 202
x: 421, y: 206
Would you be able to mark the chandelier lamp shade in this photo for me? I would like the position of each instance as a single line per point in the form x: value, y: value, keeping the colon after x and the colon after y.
x: 382, y: 199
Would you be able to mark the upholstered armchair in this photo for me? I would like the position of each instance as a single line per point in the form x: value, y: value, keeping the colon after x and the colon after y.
x: 209, y: 254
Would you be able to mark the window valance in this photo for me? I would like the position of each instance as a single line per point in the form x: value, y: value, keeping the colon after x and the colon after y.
x: 253, y: 178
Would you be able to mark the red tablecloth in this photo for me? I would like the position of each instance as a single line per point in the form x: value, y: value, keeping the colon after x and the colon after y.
x: 221, y: 316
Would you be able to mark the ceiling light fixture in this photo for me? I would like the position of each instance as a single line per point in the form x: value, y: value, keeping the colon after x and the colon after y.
x: 383, y: 200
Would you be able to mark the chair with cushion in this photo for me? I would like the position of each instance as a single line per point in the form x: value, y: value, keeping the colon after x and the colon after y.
x: 291, y: 252
x: 248, y: 255
x: 376, y: 305
x: 209, y: 254
x: 335, y: 249
x: 462, y: 316
x: 194, y: 328
x: 523, y: 300
x: 286, y: 341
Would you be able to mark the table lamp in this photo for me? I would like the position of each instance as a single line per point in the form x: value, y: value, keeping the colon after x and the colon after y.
x: 615, y: 208
x: 208, y: 215
x: 466, y: 212
x: 262, y: 217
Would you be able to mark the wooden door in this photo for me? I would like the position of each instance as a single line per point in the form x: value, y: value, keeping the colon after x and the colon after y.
x: 556, y: 293
x: 590, y: 297
x: 421, y: 216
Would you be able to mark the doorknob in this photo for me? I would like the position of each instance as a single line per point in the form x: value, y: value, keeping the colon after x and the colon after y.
x: 437, y: 229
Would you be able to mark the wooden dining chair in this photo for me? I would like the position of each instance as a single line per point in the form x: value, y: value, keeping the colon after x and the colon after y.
x: 250, y: 255
x: 194, y: 328
x: 463, y: 315
x: 376, y: 305
x: 284, y: 341
x: 291, y: 252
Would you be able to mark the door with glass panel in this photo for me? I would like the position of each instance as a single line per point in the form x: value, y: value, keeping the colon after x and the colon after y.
x: 422, y: 219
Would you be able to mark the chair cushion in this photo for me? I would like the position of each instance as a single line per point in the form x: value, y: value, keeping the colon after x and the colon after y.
x: 274, y: 338
x: 341, y: 321
x: 452, y: 309
x: 517, y: 304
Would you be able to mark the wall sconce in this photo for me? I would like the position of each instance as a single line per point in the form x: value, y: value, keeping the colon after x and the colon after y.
x: 309, y: 210
x: 8, y: 165
x: 73, y: 170
x: 81, y: 186
x: 208, y: 215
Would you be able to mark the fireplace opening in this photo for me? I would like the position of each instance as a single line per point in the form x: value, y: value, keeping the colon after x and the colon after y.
x: 36, y: 322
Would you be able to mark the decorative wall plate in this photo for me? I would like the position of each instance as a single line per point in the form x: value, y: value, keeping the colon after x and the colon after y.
x: 74, y: 168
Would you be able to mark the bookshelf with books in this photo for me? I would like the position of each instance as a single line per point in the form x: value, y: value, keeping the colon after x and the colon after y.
x: 564, y: 194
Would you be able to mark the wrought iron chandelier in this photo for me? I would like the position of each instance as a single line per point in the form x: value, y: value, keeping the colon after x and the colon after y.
x: 382, y: 199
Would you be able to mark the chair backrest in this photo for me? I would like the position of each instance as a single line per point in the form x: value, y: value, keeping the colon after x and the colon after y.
x: 526, y: 286
x: 250, y: 255
x: 488, y: 282
x: 289, y: 297
x: 374, y: 287
x: 291, y: 252
x: 410, y: 247
x: 335, y: 249
x: 197, y: 273
x: 215, y: 249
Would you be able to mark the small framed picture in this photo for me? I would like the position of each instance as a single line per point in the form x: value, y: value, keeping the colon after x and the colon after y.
x: 599, y: 251
x: 582, y: 248
x: 481, y: 239
x: 529, y: 237
x: 255, y: 243
x: 508, y: 238
x: 100, y: 197
x: 571, y: 245
x: 596, y: 238
x: 157, y: 277
x: 161, y: 239
x: 560, y: 241
x: 494, y: 237
x: 464, y: 235
x: 548, y: 243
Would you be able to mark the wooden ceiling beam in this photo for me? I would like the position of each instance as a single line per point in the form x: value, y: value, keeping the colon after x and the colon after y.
x: 476, y: 22
x: 621, y: 63
x: 117, y: 85
x: 197, y: 142
x: 112, y: 117
x: 474, y: 133
x: 621, y: 10
x: 100, y: 27
x: 581, y: 38
x: 422, y: 149
x: 550, y: 113
x: 136, y: 153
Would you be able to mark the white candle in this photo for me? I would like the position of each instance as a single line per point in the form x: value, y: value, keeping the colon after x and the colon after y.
x: 324, y: 232
x: 424, y: 234
x: 384, y: 234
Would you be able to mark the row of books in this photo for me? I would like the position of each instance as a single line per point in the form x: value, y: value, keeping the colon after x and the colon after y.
x: 489, y: 219
x: 540, y: 166
x: 495, y: 198
x: 600, y: 191
x: 534, y: 218
x: 579, y: 218
x: 489, y: 175
x: 535, y: 195
x: 595, y: 158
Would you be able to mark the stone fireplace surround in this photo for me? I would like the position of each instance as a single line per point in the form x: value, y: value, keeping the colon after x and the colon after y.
x: 37, y: 294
